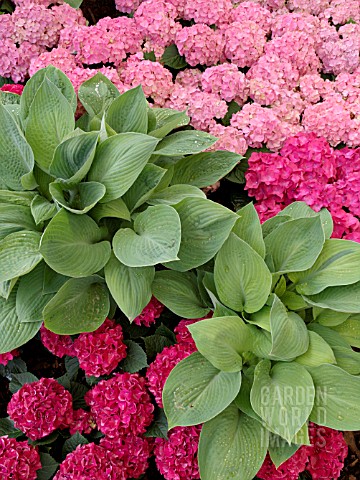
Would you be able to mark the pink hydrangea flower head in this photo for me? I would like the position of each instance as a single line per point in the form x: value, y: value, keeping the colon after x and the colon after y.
x: 12, y: 88
x: 229, y: 138
x: 342, y: 11
x: 313, y: 88
x: 156, y: 21
x: 5, y: 358
x: 82, y: 422
x: 244, y: 43
x: 40, y: 407
x: 212, y: 12
x: 100, y: 352
x: 189, y: 78
x: 246, y: 11
x: 151, y: 312
x: 59, y: 345
x: 121, y: 405
x: 200, y: 45
x: 289, y: 470
x: 227, y: 81
x: 127, y: 6
x: 327, y: 453
x: 160, y: 368
x: 129, y: 454
x: 58, y: 57
x: 18, y: 460
x: 300, y: 22
x: 176, y: 457
x: 314, y: 7
x: 341, y: 55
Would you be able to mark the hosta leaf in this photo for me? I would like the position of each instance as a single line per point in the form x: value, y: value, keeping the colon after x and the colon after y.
x: 350, y: 330
x: 115, y: 208
x: 42, y: 209
x: 50, y: 119
x: 119, y: 161
x: 344, y: 298
x: 333, y: 338
x: 237, y: 266
x: 319, y: 352
x: 6, y: 287
x: 302, y: 210
x: 179, y: 292
x: 337, y: 398
x: 347, y: 359
x: 329, y: 318
x: 71, y: 245
x: 273, y: 223
x: 14, y: 334
x: 15, y: 218
x: 280, y: 450
x: 97, y: 94
x: 155, y: 238
x: 205, y: 226
x: 222, y: 340
x: 196, y: 391
x: 16, y: 157
x: 74, y: 156
x: 166, y: 120
x: 129, y: 286
x: 295, y: 245
x: 278, y: 392
x: 79, y: 199
x: 185, y: 143
x: 52, y: 281
x: 81, y: 305
x: 205, y: 168
x: 144, y: 186
x: 174, y: 194
x: 337, y: 264
x: 232, y: 446
x: 19, y: 254
x: 248, y: 228
x: 17, y: 198
x: 128, y: 113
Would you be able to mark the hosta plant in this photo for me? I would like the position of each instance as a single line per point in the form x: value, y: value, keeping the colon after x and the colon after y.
x: 88, y: 208
x: 278, y: 351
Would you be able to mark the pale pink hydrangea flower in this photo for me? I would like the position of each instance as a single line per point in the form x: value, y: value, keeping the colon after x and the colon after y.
x: 41, y: 407
x: 200, y: 45
x: 227, y: 81
x: 314, y: 7
x: 189, y: 78
x: 244, y: 43
x: 300, y: 22
x: 342, y: 55
x: 156, y: 21
x: 150, y: 313
x: 246, y: 11
x: 210, y: 12
x: 18, y: 460
x: 59, y: 345
x: 229, y: 138
x: 176, y: 457
x: 289, y: 107
x: 313, y: 88
x: 127, y: 6
x: 342, y: 11
x: 58, y: 57
x: 121, y: 405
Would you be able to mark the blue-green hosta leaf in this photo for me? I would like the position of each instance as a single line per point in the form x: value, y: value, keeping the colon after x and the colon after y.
x: 13, y: 332
x: 114, y: 208
x: 248, y: 228
x: 334, y: 339
x: 144, y: 186
x: 52, y: 281
x: 30, y: 300
x: 128, y: 113
x: 14, y: 218
x: 119, y: 161
x: 71, y: 245
x: 350, y: 330
x: 185, y: 143
x: 129, y: 286
x: 205, y: 168
x: 205, y: 226
x: 283, y: 396
x: 232, y: 446
x: 222, y: 340
x: 347, y: 359
x: 19, y: 254
x: 174, y: 194
x: 166, y: 120
x: 74, y: 156
x: 295, y: 245
x: 50, y: 119
x: 81, y: 305
x: 196, y: 391
x: 344, y: 298
x: 7, y: 286
x: 337, y: 398
x: 337, y: 264
x: 302, y: 210
x: 319, y: 352
x: 242, y: 279
x: 79, y: 199
x: 273, y: 223
x: 16, y: 155
x: 155, y: 238
x: 280, y: 450
x: 42, y: 209
x: 179, y: 292
x: 17, y: 198
x: 329, y: 318
x: 97, y: 94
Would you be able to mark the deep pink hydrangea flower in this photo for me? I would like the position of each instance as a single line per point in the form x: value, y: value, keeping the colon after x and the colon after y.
x: 161, y: 367
x: 40, y: 407
x: 12, y: 88
x: 176, y: 457
x: 18, y: 460
x: 82, y: 422
x: 289, y: 470
x: 151, y: 312
x: 100, y: 352
x: 121, y: 405
x: 59, y: 345
x: 6, y: 357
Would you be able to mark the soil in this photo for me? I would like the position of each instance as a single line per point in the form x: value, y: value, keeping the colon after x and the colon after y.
x: 93, y: 10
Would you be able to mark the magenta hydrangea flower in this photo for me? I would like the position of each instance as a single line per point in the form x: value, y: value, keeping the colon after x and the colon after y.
x: 41, y: 407
x: 5, y: 358
x: 151, y: 312
x: 121, y: 405
x: 82, y: 422
x: 100, y: 352
x: 289, y: 470
x: 12, y: 88
x: 18, y: 460
x: 59, y: 345
x: 176, y: 457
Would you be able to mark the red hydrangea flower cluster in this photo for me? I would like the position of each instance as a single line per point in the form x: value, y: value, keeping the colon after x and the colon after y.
x: 59, y: 345
x: 121, y: 405
x: 6, y: 357
x: 12, y: 88
x: 100, y: 352
x: 82, y: 422
x: 18, y: 460
x: 176, y: 457
x: 289, y: 470
x: 151, y: 312
x: 41, y: 407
